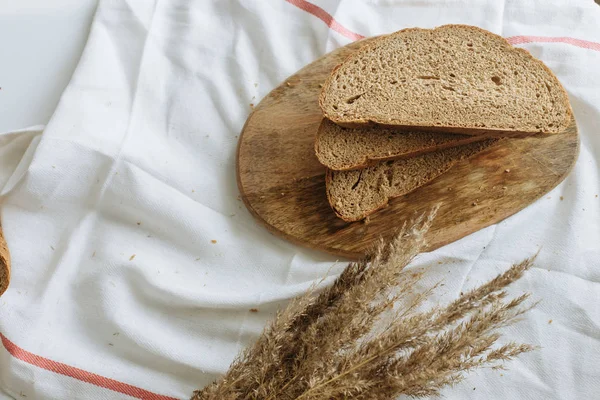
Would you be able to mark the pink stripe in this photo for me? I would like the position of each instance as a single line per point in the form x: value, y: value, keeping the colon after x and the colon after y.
x: 336, y: 26
x: 79, y: 374
x: 585, y: 44
x: 325, y: 17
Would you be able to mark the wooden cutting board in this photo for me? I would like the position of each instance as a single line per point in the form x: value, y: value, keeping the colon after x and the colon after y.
x: 283, y: 184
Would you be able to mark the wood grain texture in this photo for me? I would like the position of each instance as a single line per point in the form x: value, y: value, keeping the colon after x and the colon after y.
x: 4, y: 264
x: 283, y: 184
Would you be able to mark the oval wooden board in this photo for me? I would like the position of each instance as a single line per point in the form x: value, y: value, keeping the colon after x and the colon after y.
x: 283, y: 184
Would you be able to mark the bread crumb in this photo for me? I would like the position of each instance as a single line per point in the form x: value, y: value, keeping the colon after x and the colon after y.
x: 94, y: 254
x: 503, y: 187
x: 449, y: 189
x: 54, y: 166
x: 288, y: 84
x: 255, y: 84
x: 561, y: 198
x: 596, y: 196
x: 549, y: 321
x: 549, y: 197
x: 367, y: 220
x: 116, y: 334
x: 439, y: 262
x: 254, y: 310
x: 132, y: 257
x: 251, y: 105
x: 110, y: 344
x: 320, y: 85
x: 139, y: 223
x: 197, y: 259
x: 474, y: 204
x: 507, y: 170
x: 213, y: 241
x: 52, y: 247
x: 193, y: 191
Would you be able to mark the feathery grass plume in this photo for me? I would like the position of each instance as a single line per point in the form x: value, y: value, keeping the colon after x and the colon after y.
x: 366, y: 337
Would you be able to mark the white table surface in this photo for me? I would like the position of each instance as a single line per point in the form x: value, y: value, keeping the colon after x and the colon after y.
x: 40, y: 44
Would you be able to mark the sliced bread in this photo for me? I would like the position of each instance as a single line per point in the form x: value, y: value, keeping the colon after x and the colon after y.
x: 343, y: 149
x: 354, y: 195
x: 455, y: 78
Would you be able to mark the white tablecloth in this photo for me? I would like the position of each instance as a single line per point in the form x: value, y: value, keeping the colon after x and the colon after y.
x: 135, y: 264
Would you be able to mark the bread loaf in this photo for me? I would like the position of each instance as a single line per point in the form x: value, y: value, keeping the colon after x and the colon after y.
x: 4, y: 264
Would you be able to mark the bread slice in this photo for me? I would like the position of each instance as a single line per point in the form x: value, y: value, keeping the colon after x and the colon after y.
x: 344, y: 149
x: 455, y: 78
x: 353, y: 195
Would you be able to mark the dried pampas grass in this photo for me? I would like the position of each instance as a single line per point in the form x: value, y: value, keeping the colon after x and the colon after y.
x: 368, y: 336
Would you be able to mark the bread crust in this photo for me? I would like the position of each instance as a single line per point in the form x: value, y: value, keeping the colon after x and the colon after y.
x: 4, y: 264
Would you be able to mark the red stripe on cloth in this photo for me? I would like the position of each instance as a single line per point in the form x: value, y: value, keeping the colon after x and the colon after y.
x: 78, y: 373
x: 325, y: 17
x: 562, y: 39
x: 336, y: 26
